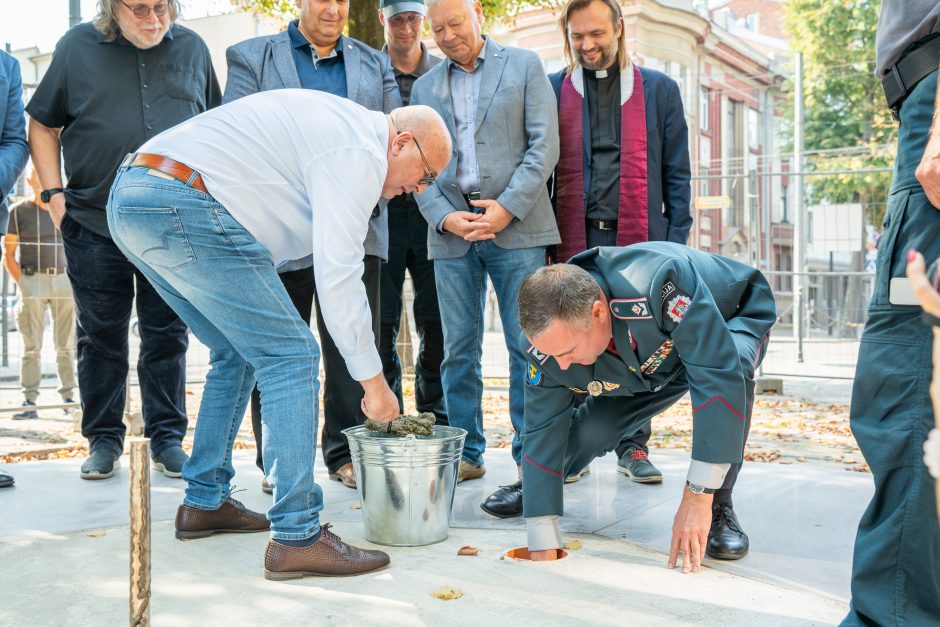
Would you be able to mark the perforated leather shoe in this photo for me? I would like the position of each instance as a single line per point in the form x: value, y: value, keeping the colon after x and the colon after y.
x: 232, y: 517
x: 726, y: 539
x: 327, y: 557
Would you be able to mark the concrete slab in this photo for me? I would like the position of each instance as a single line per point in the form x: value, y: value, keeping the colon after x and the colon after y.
x: 218, y: 580
x: 800, y: 518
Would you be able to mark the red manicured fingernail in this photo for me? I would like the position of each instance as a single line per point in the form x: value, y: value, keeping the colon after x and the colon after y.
x: 911, y: 254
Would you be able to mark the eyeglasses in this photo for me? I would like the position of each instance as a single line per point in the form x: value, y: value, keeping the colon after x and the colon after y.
x: 412, y: 20
x: 429, y: 176
x: 141, y: 11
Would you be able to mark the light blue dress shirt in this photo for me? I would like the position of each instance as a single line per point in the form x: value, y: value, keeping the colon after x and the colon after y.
x: 464, y: 90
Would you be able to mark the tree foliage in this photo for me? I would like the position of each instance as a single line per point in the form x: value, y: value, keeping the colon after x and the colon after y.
x: 847, y: 124
x: 363, y: 14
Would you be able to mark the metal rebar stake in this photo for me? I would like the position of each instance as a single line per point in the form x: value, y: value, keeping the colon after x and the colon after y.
x: 140, y: 532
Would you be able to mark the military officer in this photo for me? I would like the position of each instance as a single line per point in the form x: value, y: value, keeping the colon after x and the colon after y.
x: 638, y: 327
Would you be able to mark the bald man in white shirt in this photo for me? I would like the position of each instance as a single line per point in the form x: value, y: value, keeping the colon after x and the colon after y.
x: 207, y: 211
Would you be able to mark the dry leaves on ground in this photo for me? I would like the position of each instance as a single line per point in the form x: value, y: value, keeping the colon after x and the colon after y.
x: 468, y: 550
x: 447, y: 593
x: 572, y: 545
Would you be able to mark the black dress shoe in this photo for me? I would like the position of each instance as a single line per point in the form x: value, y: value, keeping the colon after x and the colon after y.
x: 726, y: 539
x: 505, y: 502
x: 6, y: 480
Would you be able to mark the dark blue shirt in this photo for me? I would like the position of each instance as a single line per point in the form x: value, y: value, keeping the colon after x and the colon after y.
x: 109, y: 97
x: 323, y: 74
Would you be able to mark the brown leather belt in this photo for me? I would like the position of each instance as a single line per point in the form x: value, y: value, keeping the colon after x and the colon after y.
x: 179, y: 171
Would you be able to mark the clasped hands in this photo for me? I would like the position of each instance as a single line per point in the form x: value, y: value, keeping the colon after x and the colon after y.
x: 475, y: 227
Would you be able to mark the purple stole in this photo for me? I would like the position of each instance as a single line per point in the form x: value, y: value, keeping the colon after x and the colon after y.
x: 571, y: 197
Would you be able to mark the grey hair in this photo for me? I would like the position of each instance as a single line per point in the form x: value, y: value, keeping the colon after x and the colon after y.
x: 562, y: 292
x: 106, y: 23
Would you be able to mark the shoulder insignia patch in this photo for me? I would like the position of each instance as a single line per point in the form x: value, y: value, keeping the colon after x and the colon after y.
x: 654, y: 361
x: 535, y: 375
x: 539, y: 357
x: 630, y: 308
x: 668, y: 289
x: 677, y: 307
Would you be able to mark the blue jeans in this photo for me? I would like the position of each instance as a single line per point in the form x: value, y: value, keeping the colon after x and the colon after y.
x: 223, y: 284
x: 461, y: 292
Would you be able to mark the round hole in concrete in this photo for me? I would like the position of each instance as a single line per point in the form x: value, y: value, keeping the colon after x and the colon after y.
x: 522, y: 553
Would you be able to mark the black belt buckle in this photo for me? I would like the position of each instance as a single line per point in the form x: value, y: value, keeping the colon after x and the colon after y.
x: 603, y: 225
x: 472, y: 196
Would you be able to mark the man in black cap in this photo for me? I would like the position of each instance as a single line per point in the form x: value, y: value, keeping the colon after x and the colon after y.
x: 403, y: 21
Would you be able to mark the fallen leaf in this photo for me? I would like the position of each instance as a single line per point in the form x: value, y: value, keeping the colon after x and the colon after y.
x: 447, y: 593
x: 572, y: 545
x: 97, y: 533
x: 468, y: 550
x: 356, y: 506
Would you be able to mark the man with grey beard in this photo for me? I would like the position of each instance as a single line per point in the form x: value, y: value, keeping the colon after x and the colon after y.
x: 113, y: 84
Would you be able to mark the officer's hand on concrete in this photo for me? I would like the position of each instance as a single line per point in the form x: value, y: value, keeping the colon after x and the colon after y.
x: 57, y: 209
x: 547, y: 555
x: 690, y: 531
x: 497, y: 216
x: 926, y: 295
x: 928, y: 172
x: 468, y: 225
x: 379, y: 403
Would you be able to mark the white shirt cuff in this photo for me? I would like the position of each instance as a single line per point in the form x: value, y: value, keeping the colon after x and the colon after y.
x: 707, y: 475
x: 364, y: 365
x: 543, y: 533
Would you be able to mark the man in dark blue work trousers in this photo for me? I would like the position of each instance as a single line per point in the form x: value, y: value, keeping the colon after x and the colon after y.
x: 896, y: 569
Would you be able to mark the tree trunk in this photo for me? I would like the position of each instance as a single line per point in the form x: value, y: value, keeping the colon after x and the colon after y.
x: 364, y: 23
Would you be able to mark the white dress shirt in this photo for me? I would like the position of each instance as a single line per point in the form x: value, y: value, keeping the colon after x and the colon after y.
x: 301, y: 170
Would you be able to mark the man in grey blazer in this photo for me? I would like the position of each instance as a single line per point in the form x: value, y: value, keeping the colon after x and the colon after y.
x: 488, y: 213
x: 313, y: 54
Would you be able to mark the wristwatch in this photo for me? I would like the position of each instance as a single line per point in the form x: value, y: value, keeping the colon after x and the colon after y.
x: 695, y: 488
x: 47, y: 194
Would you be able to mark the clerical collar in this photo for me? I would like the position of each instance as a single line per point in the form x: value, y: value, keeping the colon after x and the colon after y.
x: 598, y: 74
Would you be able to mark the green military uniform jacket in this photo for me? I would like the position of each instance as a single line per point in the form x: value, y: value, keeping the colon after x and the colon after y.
x: 679, y: 306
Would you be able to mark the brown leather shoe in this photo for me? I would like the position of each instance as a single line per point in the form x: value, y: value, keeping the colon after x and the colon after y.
x: 232, y: 517
x: 346, y: 474
x: 328, y: 557
x: 467, y: 471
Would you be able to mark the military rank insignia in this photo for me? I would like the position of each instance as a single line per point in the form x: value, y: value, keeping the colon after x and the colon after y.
x: 535, y: 375
x: 595, y: 388
x: 678, y: 306
x: 654, y: 361
x: 630, y: 308
x: 539, y: 357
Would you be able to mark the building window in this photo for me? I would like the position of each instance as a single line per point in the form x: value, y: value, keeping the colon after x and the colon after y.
x: 753, y: 129
x: 703, y: 108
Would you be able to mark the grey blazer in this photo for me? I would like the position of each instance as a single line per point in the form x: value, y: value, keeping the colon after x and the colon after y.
x: 517, y: 148
x: 265, y: 63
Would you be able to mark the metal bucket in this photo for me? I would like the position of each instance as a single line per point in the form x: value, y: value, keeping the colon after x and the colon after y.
x: 406, y: 484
